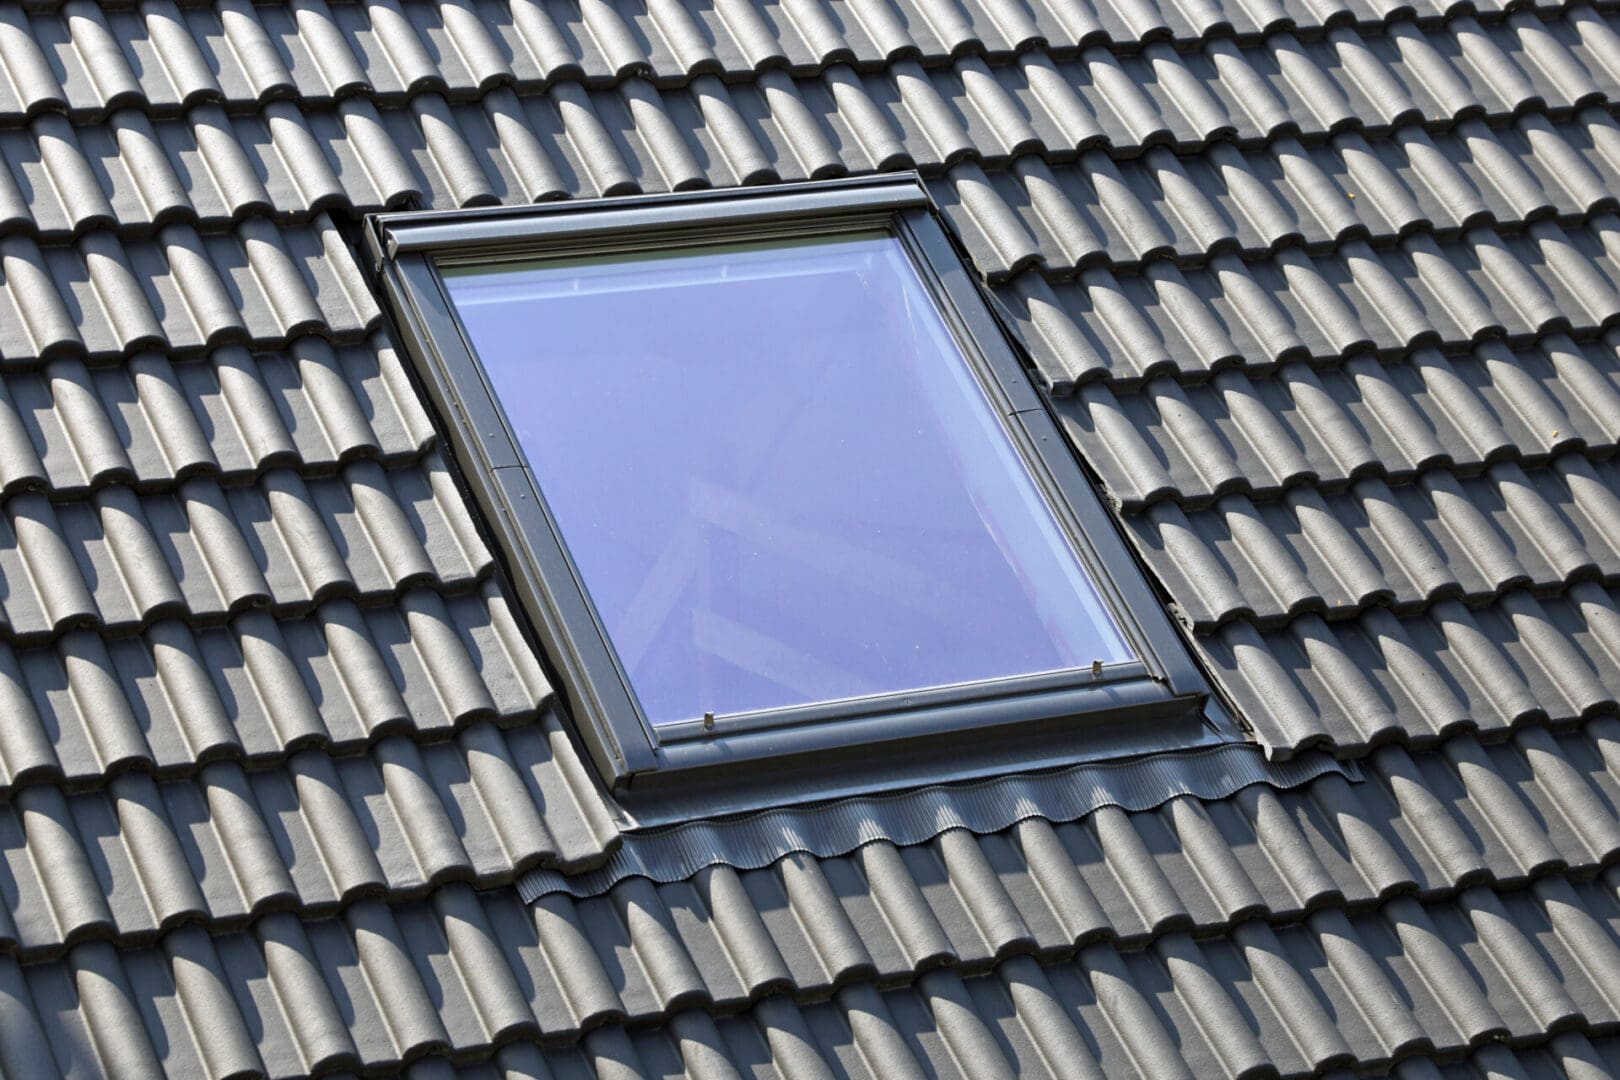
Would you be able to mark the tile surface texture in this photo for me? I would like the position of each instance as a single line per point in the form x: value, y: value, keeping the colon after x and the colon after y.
x: 1326, y: 293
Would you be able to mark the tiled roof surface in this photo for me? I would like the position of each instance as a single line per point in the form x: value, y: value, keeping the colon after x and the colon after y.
x: 1325, y: 293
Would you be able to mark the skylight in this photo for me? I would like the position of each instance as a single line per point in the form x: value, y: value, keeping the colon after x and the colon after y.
x: 778, y: 478
x: 782, y: 508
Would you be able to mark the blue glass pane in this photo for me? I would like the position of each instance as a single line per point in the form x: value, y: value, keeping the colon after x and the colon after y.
x: 777, y: 476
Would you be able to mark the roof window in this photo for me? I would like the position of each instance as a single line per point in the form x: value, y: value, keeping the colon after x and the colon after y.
x: 776, y: 489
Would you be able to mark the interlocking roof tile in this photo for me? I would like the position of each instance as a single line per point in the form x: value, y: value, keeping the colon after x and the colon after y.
x: 1325, y: 293
x: 1330, y: 428
x: 152, y: 421
x: 383, y: 984
x: 180, y: 290
x: 118, y: 559
x: 257, y: 686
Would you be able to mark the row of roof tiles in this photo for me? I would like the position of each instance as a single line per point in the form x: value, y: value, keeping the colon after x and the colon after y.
x: 270, y: 299
x: 61, y: 179
x: 463, y: 972
x: 1254, y: 201
x: 143, y: 855
x: 180, y: 290
x: 232, y: 414
x: 257, y: 685
x: 397, y: 47
x: 1402, y: 547
x: 908, y: 112
x: 258, y: 688
x: 271, y: 287
x: 1242, y: 431
x: 226, y: 846
x: 1425, y: 676
x: 185, y: 290
x: 204, y: 550
x: 1104, y: 212
x: 67, y: 428
x: 1172, y: 319
x: 778, y: 1041
x: 84, y: 59
x: 120, y: 559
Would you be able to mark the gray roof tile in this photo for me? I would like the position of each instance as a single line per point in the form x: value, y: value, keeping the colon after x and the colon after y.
x: 463, y: 973
x: 202, y: 552
x: 1326, y: 292
x: 1263, y: 435
x: 137, y: 856
x: 180, y: 290
x: 258, y: 687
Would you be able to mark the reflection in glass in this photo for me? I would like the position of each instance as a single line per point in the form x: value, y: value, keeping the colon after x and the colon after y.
x: 777, y: 476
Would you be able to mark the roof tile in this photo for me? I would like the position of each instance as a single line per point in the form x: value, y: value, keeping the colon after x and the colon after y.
x: 1330, y: 287
x: 337, y: 677
x: 479, y: 970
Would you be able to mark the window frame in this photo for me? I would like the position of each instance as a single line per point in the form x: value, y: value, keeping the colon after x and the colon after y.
x: 1158, y: 702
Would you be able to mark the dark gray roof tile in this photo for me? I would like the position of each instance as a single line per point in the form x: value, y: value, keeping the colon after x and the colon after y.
x: 1264, y: 434
x: 30, y: 80
x: 1517, y: 660
x: 480, y: 970
x: 1401, y: 547
x: 180, y: 290
x: 258, y: 687
x: 204, y: 551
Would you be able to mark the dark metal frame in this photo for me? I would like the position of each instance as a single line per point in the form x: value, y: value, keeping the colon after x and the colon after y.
x: 1158, y: 702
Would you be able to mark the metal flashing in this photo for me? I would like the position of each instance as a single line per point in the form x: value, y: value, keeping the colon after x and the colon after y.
x: 989, y: 805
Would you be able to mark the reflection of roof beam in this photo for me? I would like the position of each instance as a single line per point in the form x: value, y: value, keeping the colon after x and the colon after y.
x: 775, y: 660
x: 650, y: 608
x: 716, y: 506
x: 829, y: 553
